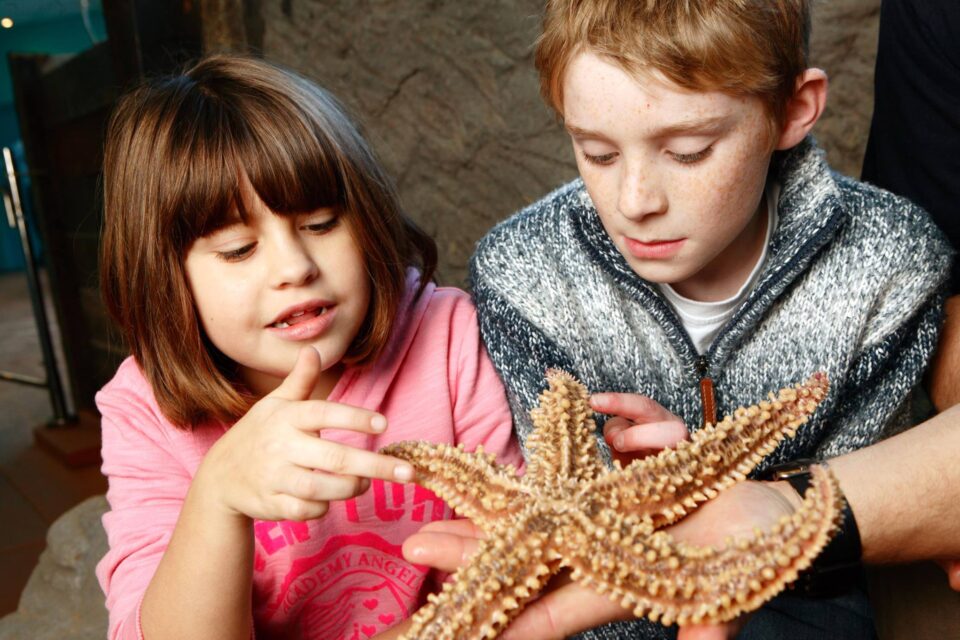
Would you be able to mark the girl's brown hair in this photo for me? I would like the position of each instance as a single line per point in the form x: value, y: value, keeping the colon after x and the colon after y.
x: 740, y: 47
x: 174, y: 154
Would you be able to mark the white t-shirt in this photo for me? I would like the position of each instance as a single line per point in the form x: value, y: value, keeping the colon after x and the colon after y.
x: 703, y: 320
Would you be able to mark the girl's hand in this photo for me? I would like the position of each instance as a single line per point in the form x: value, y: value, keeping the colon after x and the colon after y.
x: 640, y: 426
x: 274, y: 464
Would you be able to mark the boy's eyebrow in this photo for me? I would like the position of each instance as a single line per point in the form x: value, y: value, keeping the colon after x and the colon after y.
x: 691, y: 126
x: 676, y: 128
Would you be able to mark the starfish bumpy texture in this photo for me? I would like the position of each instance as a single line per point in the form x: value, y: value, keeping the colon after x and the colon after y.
x: 570, y: 510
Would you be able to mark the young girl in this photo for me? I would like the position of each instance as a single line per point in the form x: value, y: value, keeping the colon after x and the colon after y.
x: 278, y: 308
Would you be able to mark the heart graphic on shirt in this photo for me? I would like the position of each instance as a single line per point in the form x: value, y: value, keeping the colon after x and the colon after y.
x: 368, y: 631
x: 371, y: 603
x: 386, y: 618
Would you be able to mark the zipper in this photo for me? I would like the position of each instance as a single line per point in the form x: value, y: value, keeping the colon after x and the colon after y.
x: 706, y: 392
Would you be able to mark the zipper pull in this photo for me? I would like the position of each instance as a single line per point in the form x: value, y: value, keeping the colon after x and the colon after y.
x: 706, y: 392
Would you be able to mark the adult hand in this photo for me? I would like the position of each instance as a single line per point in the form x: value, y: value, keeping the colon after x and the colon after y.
x: 271, y: 465
x: 952, y: 567
x: 568, y: 607
x: 639, y: 427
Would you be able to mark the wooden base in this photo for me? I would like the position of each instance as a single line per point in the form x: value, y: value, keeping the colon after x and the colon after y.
x: 75, y: 444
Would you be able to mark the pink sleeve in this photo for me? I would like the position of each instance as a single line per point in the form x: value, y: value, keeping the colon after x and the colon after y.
x: 481, y: 412
x: 147, y: 486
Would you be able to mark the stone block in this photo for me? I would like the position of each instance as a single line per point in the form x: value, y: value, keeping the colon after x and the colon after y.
x: 62, y: 599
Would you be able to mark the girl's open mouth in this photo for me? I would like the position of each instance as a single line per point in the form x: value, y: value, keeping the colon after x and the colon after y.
x: 298, y: 317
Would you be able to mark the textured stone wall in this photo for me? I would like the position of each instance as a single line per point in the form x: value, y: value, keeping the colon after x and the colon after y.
x: 447, y: 93
x: 844, y: 43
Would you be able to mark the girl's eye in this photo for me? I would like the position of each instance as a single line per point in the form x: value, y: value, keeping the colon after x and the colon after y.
x: 691, y: 158
x: 602, y: 160
x: 236, y: 254
x: 321, y: 227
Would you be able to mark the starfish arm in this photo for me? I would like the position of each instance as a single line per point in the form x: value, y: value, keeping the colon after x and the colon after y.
x: 671, y: 484
x: 673, y: 582
x: 507, y: 571
x: 471, y: 483
x: 563, y: 443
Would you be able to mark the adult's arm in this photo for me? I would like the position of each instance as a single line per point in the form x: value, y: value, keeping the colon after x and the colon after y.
x: 904, y: 492
x: 944, y: 380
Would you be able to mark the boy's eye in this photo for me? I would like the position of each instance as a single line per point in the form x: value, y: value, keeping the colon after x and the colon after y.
x: 691, y: 158
x: 604, y: 159
x: 236, y: 254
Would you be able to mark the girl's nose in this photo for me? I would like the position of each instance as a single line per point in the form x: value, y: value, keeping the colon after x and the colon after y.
x: 640, y: 195
x: 292, y: 264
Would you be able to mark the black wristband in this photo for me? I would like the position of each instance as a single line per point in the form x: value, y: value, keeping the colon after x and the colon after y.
x: 838, y: 568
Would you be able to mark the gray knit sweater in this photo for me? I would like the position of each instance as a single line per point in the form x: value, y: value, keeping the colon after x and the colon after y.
x: 852, y: 286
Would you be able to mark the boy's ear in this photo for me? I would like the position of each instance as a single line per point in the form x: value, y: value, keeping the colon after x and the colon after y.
x: 804, y: 108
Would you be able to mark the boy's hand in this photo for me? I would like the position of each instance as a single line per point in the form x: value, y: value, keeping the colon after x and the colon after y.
x: 640, y: 426
x: 274, y: 464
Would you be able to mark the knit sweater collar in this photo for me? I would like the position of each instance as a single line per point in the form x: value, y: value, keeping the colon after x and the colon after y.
x: 809, y: 211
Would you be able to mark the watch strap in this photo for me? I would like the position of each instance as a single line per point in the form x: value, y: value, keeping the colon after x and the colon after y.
x: 838, y: 567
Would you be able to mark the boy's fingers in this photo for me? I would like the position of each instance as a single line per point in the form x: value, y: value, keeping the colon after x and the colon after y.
x: 317, y: 415
x: 299, y: 383
x: 338, y: 459
x: 653, y: 435
x: 443, y: 551
x: 632, y: 406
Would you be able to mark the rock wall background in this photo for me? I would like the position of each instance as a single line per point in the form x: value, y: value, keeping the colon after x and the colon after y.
x: 447, y: 93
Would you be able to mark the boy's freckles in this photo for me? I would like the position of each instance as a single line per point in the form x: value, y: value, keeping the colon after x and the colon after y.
x: 677, y: 175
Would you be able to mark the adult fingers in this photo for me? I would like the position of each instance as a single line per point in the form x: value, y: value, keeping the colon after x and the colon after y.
x: 707, y: 632
x: 340, y: 459
x: 299, y: 383
x: 651, y: 435
x: 564, y: 612
x: 634, y: 406
x: 952, y: 567
x: 443, y: 551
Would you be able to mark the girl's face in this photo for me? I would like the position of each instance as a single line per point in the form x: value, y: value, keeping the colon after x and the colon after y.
x: 266, y: 288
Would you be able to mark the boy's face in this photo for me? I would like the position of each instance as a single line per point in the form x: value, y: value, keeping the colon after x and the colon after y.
x: 676, y: 175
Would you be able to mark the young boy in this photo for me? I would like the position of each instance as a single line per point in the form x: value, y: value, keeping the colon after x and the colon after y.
x: 708, y: 255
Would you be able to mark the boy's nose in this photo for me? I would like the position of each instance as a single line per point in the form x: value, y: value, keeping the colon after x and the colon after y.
x: 640, y: 196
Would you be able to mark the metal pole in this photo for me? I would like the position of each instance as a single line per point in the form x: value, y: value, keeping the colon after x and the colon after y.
x: 60, y: 415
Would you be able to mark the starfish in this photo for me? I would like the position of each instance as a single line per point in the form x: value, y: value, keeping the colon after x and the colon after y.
x: 569, y: 510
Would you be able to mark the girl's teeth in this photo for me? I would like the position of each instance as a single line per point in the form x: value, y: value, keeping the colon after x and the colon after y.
x: 283, y: 324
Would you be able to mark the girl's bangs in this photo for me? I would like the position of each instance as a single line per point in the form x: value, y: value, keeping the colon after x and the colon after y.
x: 290, y: 163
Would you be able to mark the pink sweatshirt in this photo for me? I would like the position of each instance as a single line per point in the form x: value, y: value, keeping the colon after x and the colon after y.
x: 342, y: 576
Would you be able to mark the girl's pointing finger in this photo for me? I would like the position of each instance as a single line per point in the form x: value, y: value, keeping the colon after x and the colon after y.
x: 339, y: 459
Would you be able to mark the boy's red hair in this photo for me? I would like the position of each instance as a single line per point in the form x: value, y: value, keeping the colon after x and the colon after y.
x: 740, y: 47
